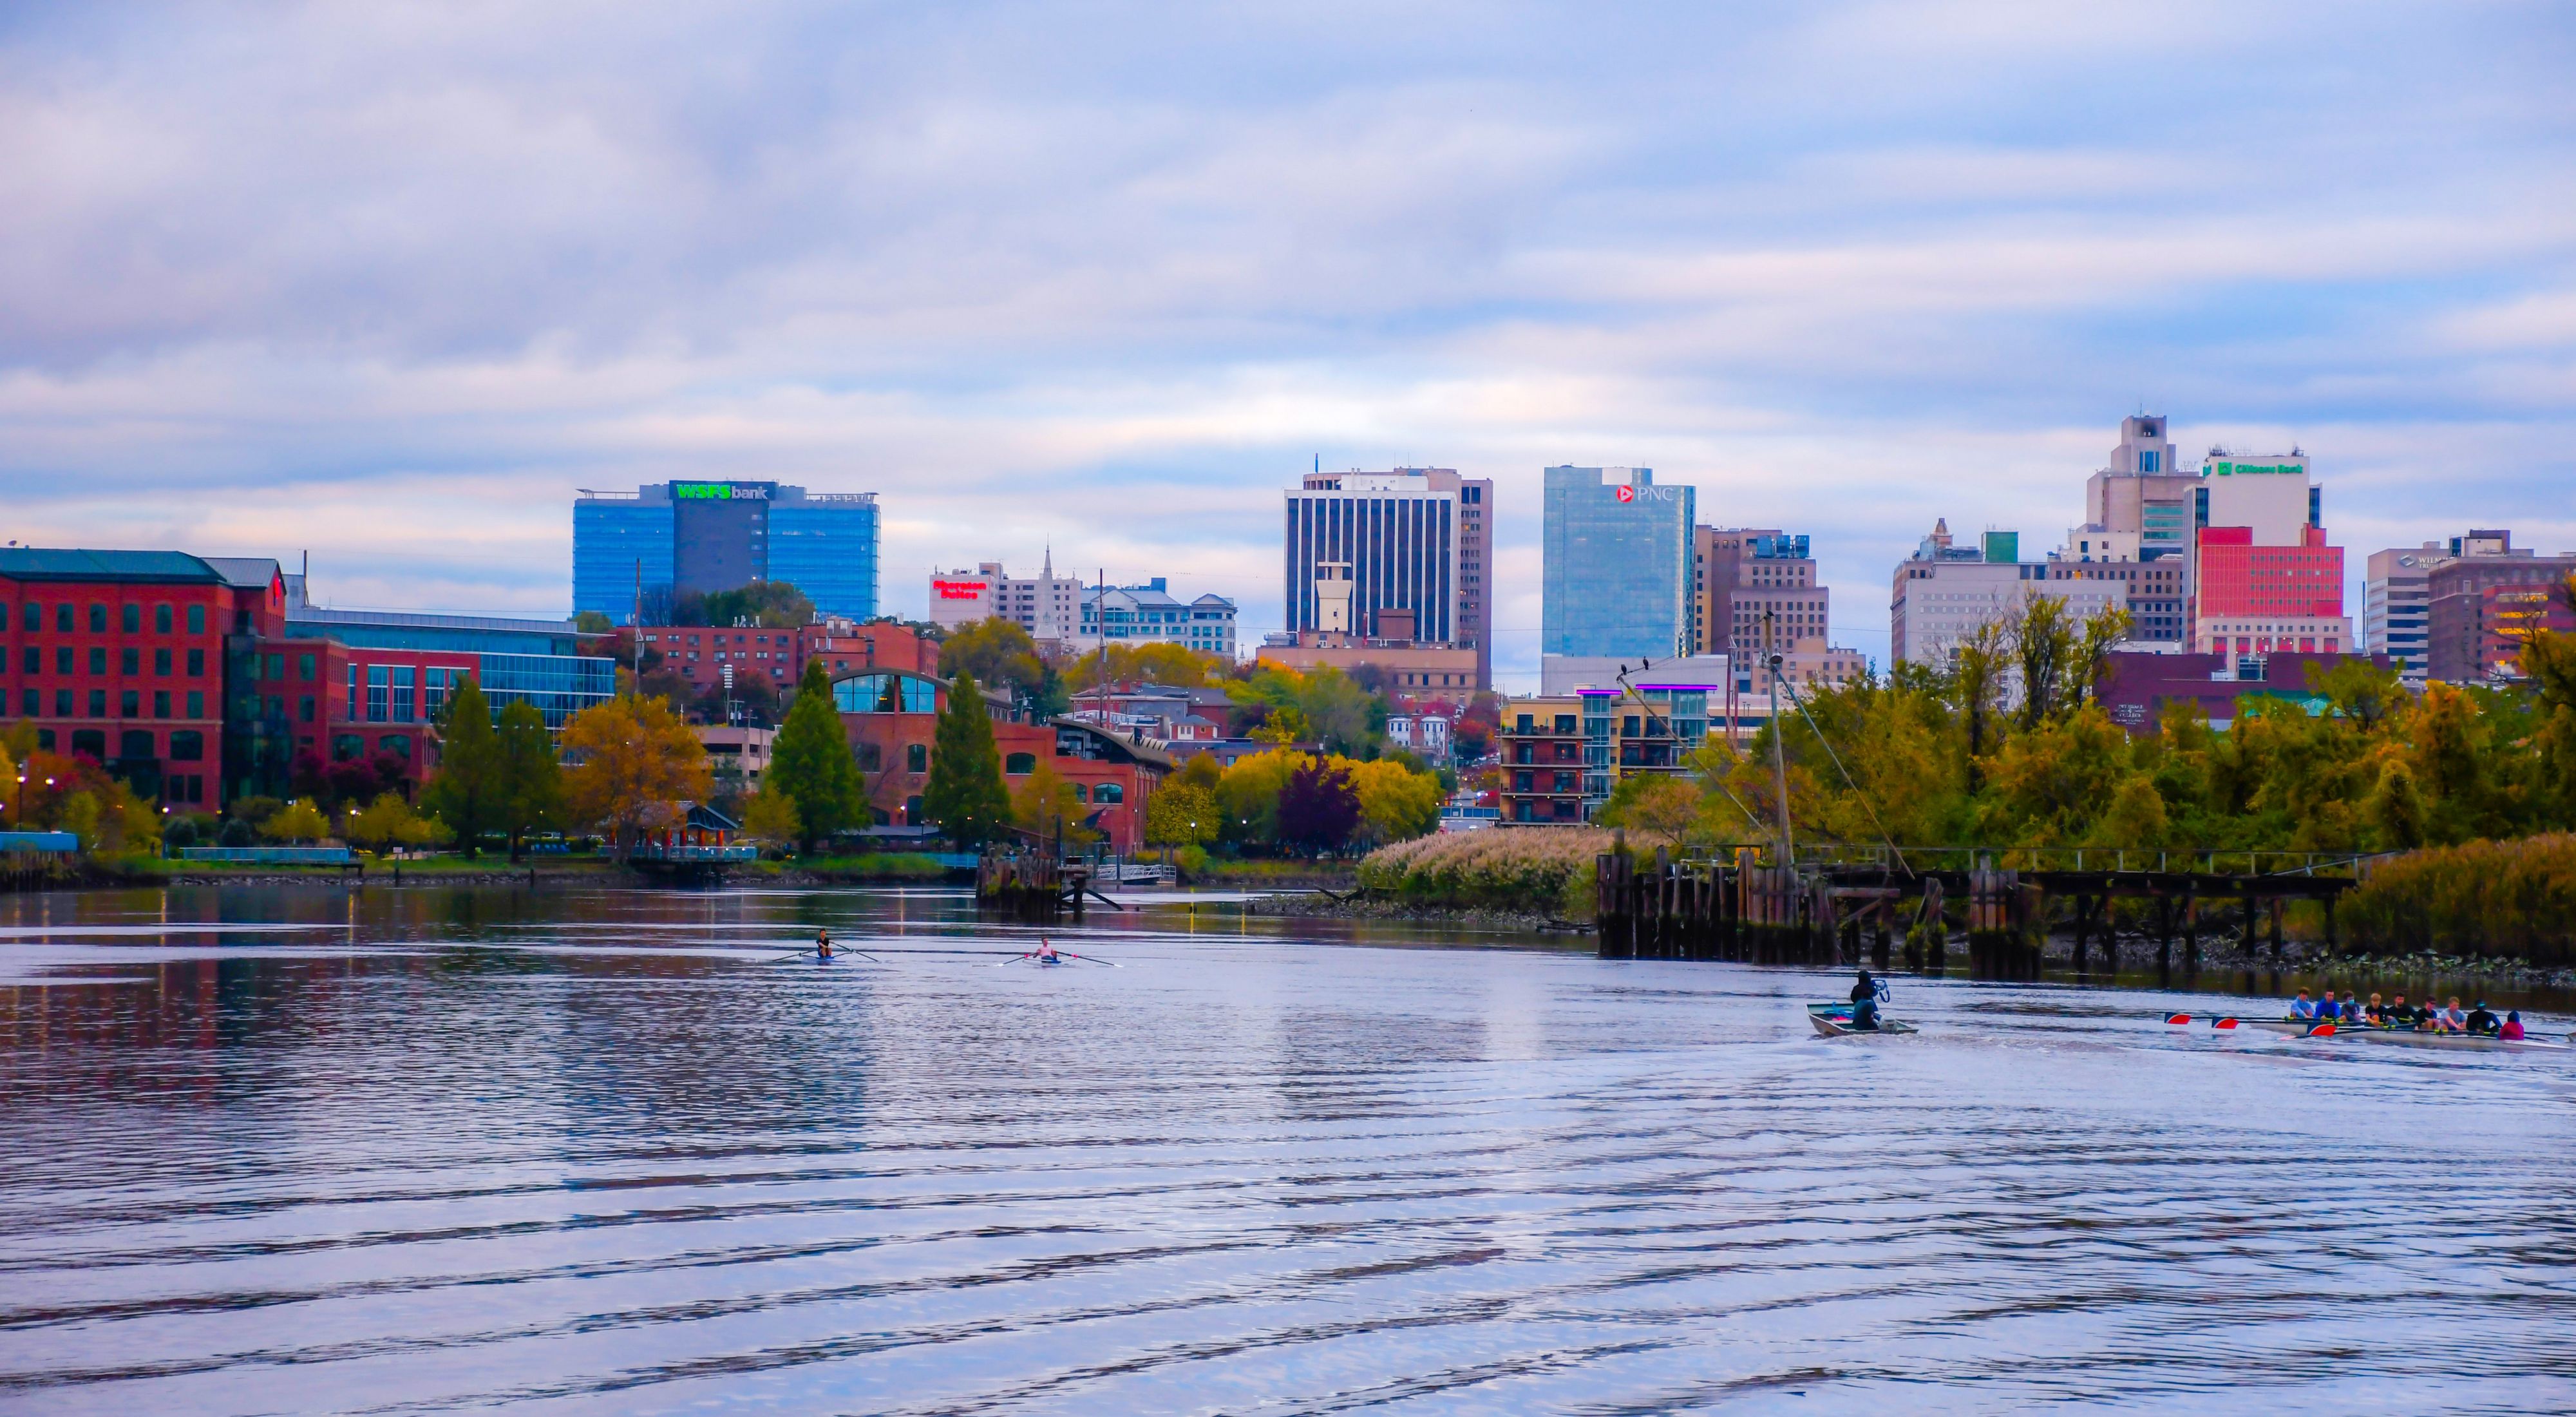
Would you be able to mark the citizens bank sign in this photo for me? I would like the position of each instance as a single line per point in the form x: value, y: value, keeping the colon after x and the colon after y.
x: 1651, y: 494
x: 717, y: 492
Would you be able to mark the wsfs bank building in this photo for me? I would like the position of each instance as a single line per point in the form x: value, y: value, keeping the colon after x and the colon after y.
x: 702, y: 537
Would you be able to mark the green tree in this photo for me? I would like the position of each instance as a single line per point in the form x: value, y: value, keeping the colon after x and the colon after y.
x: 1182, y: 814
x: 298, y: 822
x: 771, y: 817
x: 1655, y: 805
x: 530, y: 775
x: 593, y: 622
x: 999, y: 653
x: 468, y: 792
x: 811, y: 763
x: 388, y: 823
x: 965, y: 794
x: 1046, y: 806
x: 774, y: 605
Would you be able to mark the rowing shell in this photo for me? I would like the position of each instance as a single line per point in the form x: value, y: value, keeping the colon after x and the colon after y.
x: 1834, y: 1021
x: 2402, y: 1037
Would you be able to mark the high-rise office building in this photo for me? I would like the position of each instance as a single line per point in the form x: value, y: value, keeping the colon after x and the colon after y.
x: 1047, y: 605
x: 2266, y: 581
x: 2138, y: 530
x: 1739, y: 577
x: 695, y: 538
x: 1616, y: 558
x: 1945, y: 593
x: 2482, y: 599
x: 2395, y: 604
x: 1414, y: 544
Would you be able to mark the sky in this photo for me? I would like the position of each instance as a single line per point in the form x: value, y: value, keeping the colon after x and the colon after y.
x: 388, y: 283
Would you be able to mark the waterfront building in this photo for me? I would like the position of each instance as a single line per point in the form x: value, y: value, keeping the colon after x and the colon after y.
x: 1415, y: 540
x: 1542, y: 749
x: 892, y: 716
x: 695, y: 538
x: 1616, y: 560
x: 1945, y: 592
x: 2483, y: 600
x: 1136, y: 615
x: 200, y: 680
x: 1046, y: 605
x: 1564, y: 754
x: 1744, y: 581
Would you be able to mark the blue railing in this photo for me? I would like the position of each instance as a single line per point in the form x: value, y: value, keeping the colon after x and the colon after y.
x: 654, y: 852
x: 270, y: 855
x: 39, y: 841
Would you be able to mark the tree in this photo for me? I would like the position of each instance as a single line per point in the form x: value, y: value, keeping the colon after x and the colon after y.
x: 1397, y: 803
x: 297, y: 822
x: 1046, y: 806
x: 593, y: 622
x: 467, y: 793
x: 965, y: 794
x: 1318, y: 808
x: 998, y: 652
x: 636, y: 766
x: 770, y: 816
x: 1655, y: 805
x: 2044, y: 649
x: 389, y: 822
x: 1182, y: 814
x: 1978, y: 678
x: 530, y: 774
x: 811, y: 762
x: 774, y: 605
x: 1248, y: 794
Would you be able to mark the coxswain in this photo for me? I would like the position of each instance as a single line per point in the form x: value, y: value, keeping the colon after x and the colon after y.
x: 1864, y: 1002
x: 822, y: 944
x: 2481, y: 1021
x: 2512, y: 1030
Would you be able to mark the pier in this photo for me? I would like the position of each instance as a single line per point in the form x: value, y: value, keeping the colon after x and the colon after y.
x: 1915, y: 905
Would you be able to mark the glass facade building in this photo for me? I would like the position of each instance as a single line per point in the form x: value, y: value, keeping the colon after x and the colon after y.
x: 1617, y: 564
x: 703, y: 537
x: 559, y: 685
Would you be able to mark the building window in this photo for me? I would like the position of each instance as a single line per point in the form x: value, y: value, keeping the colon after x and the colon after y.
x: 433, y: 692
x: 196, y: 703
x: 98, y: 703
x: 34, y: 699
x: 196, y: 619
x: 916, y: 758
x: 129, y: 660
x: 35, y: 660
x: 160, y: 703
x: 161, y: 619
x: 402, y: 677
x: 1020, y: 764
x: 63, y: 617
x: 378, y: 680
x: 348, y: 747
x: 398, y: 744
x: 63, y: 659
x: 161, y: 663
x: 304, y: 709
x: 98, y: 661
x: 62, y: 703
x: 187, y: 745
x: 133, y: 619
x: 134, y: 743
x: 1109, y: 792
x: 35, y: 620
x: 129, y: 703
x: 303, y: 667
x: 196, y: 664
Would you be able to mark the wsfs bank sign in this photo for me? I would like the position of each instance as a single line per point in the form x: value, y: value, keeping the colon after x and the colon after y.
x: 1650, y: 494
x: 717, y: 492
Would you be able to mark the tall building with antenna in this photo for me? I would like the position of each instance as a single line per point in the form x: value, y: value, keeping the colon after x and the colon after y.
x: 1405, y: 554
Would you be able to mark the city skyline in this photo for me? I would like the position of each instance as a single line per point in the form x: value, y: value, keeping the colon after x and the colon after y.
x: 390, y: 289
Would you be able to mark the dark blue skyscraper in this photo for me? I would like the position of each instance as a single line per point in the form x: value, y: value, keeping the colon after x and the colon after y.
x: 699, y: 537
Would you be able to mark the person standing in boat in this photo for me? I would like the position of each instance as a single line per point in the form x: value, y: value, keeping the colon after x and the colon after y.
x: 1864, y: 1002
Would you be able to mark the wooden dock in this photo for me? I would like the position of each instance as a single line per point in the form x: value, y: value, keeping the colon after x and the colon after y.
x: 1905, y: 906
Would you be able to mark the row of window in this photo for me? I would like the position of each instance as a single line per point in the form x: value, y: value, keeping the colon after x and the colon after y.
x: 66, y: 618
x: 187, y: 745
x: 67, y: 703
x: 129, y: 661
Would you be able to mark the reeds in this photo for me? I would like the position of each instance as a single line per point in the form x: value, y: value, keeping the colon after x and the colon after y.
x: 1538, y: 871
x: 2492, y: 899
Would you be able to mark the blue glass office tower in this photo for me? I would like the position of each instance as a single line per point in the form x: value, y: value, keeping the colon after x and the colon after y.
x: 700, y: 537
x: 1617, y: 560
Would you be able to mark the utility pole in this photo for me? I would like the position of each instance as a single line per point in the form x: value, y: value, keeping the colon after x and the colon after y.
x: 1779, y: 753
x: 635, y: 628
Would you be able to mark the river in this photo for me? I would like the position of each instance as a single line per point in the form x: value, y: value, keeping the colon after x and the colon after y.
x: 434, y: 1150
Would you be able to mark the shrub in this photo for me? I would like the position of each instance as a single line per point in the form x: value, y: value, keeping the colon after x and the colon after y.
x: 1545, y: 871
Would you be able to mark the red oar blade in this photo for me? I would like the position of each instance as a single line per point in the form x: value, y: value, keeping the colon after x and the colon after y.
x: 2179, y: 1019
x: 2323, y: 1030
x: 2222, y: 1023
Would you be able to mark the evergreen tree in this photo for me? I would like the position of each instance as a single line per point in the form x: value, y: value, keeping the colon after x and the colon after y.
x: 468, y: 790
x: 529, y: 772
x: 965, y: 794
x: 811, y: 764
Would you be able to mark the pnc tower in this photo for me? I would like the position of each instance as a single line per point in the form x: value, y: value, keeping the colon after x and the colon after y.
x: 695, y: 538
x: 1617, y: 565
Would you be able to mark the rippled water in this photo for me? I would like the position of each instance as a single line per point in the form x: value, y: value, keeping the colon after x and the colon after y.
x: 446, y: 1150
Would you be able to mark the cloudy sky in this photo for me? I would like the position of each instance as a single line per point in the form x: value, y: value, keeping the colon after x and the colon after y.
x: 388, y: 282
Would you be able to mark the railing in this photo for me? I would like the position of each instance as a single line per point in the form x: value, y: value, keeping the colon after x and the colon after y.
x: 2207, y: 861
x: 654, y: 851
x: 270, y: 855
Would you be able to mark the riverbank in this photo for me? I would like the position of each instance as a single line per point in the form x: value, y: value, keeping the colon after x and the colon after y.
x: 1316, y: 905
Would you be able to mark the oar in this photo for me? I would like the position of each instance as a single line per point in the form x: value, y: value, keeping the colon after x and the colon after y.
x: 1068, y: 954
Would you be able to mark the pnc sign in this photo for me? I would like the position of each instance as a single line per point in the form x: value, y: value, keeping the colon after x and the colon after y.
x: 717, y: 492
x: 1651, y: 494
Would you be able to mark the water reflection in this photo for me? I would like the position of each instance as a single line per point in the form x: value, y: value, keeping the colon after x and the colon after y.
x: 429, y: 1150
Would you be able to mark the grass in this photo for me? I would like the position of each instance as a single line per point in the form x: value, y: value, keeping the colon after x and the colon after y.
x: 1548, y: 872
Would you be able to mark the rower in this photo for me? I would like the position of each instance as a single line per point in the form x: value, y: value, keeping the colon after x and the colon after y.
x: 2400, y: 1016
x: 2481, y: 1021
x: 2300, y: 1008
x: 2326, y: 1006
x: 822, y: 944
x: 1864, y: 1002
x: 1046, y: 951
x: 2376, y: 1015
